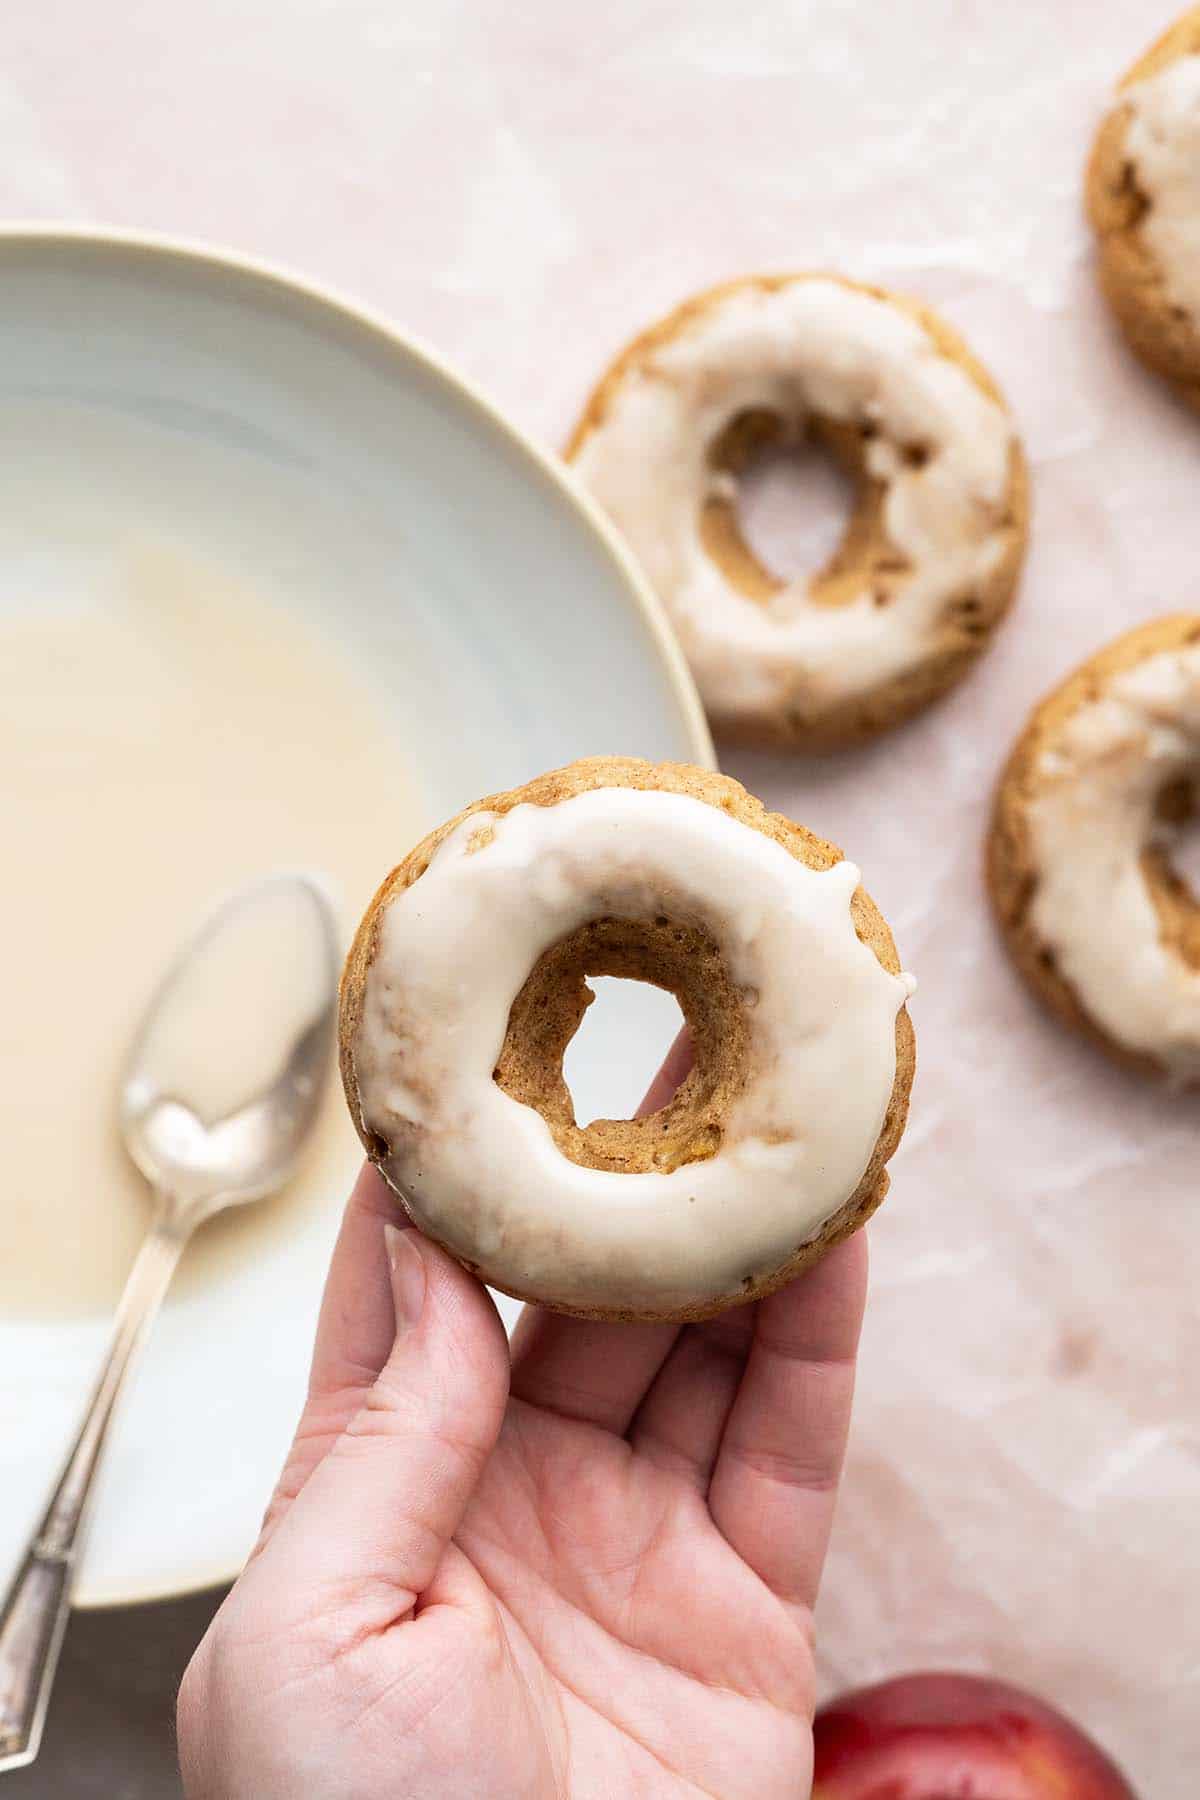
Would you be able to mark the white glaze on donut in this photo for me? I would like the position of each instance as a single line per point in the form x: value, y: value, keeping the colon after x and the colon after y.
x: 1162, y: 142
x: 1092, y: 816
x: 482, y: 1171
x: 814, y: 345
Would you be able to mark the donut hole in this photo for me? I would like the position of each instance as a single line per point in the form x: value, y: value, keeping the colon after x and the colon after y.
x: 622, y: 1042
x: 1171, y: 867
x: 792, y: 505
x: 682, y: 960
x: 798, y: 505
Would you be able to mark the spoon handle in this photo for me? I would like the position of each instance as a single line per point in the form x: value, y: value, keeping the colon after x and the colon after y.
x: 34, y: 1613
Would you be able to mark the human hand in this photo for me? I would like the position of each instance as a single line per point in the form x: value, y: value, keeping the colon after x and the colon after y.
x: 593, y: 1578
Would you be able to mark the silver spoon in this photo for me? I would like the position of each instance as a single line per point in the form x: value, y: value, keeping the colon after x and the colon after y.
x: 258, y: 986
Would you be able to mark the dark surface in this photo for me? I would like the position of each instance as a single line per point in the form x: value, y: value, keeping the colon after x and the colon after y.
x: 111, y: 1730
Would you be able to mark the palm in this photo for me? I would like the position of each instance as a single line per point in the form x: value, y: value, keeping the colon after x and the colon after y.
x: 643, y: 1656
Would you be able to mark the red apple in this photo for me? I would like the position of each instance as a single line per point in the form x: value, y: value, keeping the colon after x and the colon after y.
x: 956, y: 1737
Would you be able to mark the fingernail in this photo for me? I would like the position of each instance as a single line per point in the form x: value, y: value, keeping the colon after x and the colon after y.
x: 408, y: 1276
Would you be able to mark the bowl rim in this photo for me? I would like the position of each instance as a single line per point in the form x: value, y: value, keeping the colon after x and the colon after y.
x: 279, y: 283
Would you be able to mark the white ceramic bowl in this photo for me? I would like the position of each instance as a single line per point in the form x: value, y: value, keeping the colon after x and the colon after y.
x: 511, y: 633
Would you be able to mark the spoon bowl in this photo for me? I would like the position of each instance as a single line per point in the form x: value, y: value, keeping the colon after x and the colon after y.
x: 280, y: 938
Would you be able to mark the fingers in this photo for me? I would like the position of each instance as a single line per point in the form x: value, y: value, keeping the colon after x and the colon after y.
x: 372, y: 1521
x: 355, y: 1329
x: 591, y: 1370
x: 773, y: 1488
x: 680, y: 1423
x: 357, y: 1322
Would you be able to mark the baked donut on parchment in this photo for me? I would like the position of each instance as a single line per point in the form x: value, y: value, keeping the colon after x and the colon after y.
x: 929, y: 560
x: 1087, y: 813
x: 468, y: 978
x: 1143, y: 197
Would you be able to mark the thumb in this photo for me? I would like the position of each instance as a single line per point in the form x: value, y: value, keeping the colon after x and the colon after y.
x: 373, y: 1520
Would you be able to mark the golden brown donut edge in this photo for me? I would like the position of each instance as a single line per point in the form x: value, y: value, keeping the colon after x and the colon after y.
x: 729, y: 796
x: 962, y: 638
x: 1009, y: 862
x: 1159, y: 333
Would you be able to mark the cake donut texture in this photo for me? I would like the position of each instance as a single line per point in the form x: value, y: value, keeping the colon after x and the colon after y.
x: 467, y: 980
x: 1143, y: 196
x: 929, y: 559
x: 1086, y: 815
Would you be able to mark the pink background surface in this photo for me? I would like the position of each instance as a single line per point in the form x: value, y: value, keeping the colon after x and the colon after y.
x: 525, y: 186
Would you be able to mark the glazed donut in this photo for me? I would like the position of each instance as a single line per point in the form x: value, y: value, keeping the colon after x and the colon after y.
x: 466, y: 981
x: 929, y: 560
x: 1143, y: 196
x: 1086, y: 814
